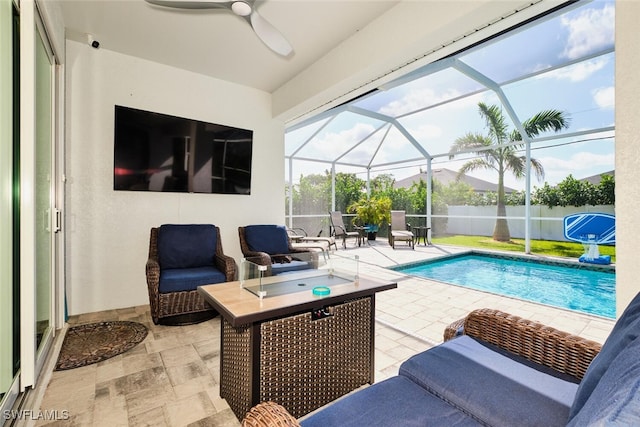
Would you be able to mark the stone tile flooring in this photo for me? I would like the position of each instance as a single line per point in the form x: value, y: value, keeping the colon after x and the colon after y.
x: 171, y: 378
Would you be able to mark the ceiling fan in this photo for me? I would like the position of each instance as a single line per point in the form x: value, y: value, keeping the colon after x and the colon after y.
x: 243, y: 8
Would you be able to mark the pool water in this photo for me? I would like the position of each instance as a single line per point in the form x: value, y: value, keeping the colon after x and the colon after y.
x: 590, y: 291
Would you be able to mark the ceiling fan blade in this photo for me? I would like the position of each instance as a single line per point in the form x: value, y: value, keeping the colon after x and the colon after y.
x: 206, y: 4
x: 269, y: 35
x: 243, y: 8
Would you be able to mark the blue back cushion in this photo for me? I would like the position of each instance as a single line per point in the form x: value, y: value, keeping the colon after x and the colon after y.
x: 271, y: 239
x: 186, y: 246
x: 625, y: 331
x: 615, y: 400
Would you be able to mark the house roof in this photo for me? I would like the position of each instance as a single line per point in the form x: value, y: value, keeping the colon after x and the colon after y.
x: 595, y: 179
x: 447, y: 176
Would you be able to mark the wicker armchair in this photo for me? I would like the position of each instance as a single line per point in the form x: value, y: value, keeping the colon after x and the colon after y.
x: 271, y: 246
x: 184, y: 306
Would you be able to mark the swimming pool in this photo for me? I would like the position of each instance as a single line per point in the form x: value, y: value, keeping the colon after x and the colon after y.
x: 577, y: 288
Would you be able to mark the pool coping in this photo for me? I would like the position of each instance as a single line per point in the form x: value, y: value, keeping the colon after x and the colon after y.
x: 565, y: 262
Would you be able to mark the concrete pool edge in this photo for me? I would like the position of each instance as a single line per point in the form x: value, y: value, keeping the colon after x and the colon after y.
x: 541, y: 259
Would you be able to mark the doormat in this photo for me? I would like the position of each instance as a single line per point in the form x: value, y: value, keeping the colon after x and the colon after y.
x: 94, y: 342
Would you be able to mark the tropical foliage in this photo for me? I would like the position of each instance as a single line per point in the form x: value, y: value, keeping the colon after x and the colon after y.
x: 497, y: 151
x: 573, y: 192
x: 372, y: 210
x: 312, y: 195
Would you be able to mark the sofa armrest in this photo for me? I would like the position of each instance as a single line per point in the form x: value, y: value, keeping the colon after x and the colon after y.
x: 564, y: 352
x: 313, y: 255
x: 260, y: 258
x: 269, y: 414
x: 227, y: 265
x: 152, y: 271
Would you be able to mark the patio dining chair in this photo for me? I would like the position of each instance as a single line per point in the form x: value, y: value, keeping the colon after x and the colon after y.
x: 338, y: 229
x: 399, y: 229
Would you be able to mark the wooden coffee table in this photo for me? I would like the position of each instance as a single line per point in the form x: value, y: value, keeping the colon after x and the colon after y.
x: 297, y: 349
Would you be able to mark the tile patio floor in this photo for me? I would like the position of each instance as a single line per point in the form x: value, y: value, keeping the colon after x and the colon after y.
x: 171, y: 379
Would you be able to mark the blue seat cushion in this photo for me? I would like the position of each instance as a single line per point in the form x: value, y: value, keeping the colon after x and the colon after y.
x: 626, y: 329
x: 272, y: 239
x: 615, y: 400
x: 188, y: 279
x: 186, y: 245
x: 396, y: 401
x: 497, y: 387
x: 294, y: 265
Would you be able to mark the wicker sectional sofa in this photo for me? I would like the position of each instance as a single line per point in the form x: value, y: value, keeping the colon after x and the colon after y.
x: 497, y: 370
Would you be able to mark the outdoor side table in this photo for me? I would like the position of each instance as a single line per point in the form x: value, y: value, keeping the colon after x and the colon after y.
x: 363, y: 231
x: 421, y: 232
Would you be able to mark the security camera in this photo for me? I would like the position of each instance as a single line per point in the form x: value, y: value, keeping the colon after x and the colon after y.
x: 93, y: 42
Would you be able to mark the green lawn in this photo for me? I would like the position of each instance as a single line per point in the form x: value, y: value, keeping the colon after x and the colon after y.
x: 540, y: 247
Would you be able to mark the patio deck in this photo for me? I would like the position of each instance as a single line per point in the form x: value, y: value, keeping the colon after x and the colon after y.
x: 172, y: 378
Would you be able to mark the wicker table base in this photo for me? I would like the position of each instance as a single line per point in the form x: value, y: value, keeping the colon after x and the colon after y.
x: 296, y: 361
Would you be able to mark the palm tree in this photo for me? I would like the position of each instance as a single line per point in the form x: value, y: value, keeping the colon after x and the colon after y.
x: 504, y: 157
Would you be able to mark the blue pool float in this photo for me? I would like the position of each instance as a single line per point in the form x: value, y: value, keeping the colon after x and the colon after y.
x: 602, y: 259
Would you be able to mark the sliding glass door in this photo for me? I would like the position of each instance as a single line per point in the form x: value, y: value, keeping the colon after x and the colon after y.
x: 9, y: 214
x: 29, y: 190
x: 44, y: 189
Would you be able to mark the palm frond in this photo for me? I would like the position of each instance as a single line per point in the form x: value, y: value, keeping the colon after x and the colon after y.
x: 473, y: 165
x: 516, y: 164
x: 495, y: 121
x: 537, y: 169
x: 546, y: 120
x: 469, y: 142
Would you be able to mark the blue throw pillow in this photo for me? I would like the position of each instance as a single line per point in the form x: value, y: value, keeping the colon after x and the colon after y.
x: 186, y: 246
x: 271, y: 239
x: 625, y: 331
x: 615, y: 400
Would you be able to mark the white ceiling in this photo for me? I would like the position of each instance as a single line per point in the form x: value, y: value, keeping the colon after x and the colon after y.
x: 218, y: 43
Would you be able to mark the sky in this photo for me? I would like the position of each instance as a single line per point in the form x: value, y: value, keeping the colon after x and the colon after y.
x: 441, y: 106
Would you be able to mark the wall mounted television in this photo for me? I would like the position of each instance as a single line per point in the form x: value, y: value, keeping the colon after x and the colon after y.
x: 158, y: 152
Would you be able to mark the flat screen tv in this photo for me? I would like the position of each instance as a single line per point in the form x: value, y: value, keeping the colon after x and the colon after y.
x: 158, y: 152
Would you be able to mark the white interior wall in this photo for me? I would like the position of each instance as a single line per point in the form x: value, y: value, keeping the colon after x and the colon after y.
x: 108, y: 231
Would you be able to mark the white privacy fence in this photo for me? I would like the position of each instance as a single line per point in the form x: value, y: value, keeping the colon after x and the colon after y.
x: 546, y: 223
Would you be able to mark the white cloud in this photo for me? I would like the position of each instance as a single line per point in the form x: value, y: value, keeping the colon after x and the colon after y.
x: 589, y: 30
x: 426, y: 132
x: 578, y: 162
x: 578, y: 72
x: 604, y: 97
x: 333, y: 144
x: 417, y: 99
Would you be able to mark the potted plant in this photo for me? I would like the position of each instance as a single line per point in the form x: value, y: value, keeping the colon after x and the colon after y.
x: 371, y: 212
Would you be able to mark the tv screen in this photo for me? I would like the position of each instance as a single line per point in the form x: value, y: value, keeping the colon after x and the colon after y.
x: 158, y: 152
